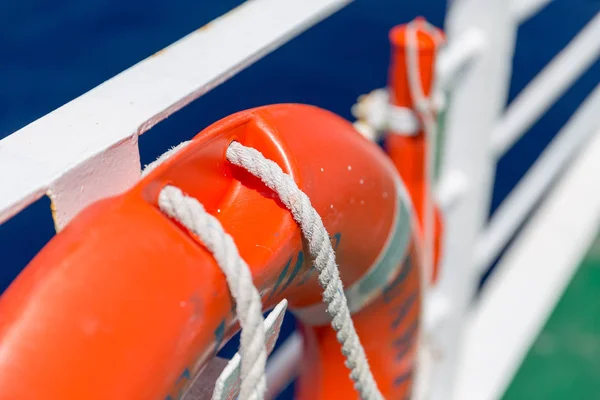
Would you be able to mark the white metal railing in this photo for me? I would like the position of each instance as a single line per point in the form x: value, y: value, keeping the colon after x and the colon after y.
x: 478, y: 133
x: 529, y: 280
x: 53, y: 156
x: 547, y: 87
x: 476, y: 103
x: 522, y: 199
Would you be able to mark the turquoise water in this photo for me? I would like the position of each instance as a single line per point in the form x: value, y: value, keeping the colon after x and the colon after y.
x: 51, y: 52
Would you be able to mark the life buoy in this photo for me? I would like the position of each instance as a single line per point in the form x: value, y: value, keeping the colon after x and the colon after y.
x: 406, y: 142
x: 124, y: 304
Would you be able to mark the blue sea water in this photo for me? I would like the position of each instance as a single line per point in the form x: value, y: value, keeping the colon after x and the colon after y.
x: 54, y: 51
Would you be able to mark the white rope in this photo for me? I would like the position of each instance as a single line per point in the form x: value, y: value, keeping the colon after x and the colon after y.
x: 402, y: 120
x: 425, y: 109
x: 323, y: 255
x: 163, y: 157
x: 191, y: 214
x: 375, y: 114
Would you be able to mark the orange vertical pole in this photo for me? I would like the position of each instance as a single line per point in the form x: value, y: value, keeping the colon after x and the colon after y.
x: 408, y: 148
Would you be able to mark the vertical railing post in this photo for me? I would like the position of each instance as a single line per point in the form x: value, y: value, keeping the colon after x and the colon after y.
x: 475, y: 105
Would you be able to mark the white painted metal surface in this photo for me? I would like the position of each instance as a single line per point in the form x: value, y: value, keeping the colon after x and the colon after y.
x: 221, y: 380
x: 76, y: 137
x: 530, y: 189
x: 547, y: 87
x: 530, y: 279
x: 476, y: 104
x: 228, y: 383
x: 450, y: 190
x: 106, y: 174
x: 456, y: 57
x: 522, y: 10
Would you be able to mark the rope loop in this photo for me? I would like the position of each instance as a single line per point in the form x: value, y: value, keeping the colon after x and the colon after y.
x: 191, y: 214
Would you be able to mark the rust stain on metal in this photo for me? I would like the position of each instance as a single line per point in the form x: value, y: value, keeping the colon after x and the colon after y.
x: 204, y: 27
x: 227, y: 14
x: 158, y: 53
x: 53, y: 212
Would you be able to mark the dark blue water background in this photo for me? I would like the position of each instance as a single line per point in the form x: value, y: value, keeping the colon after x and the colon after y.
x: 54, y: 51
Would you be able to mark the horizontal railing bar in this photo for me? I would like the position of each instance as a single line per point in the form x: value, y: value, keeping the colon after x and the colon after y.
x: 457, y: 55
x: 450, y: 189
x: 547, y: 87
x: 525, y: 9
x: 514, y: 209
x: 132, y: 102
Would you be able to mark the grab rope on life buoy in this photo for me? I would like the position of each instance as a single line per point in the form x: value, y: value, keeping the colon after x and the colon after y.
x: 191, y: 214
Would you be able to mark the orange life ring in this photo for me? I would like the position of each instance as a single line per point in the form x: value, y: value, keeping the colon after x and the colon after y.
x: 125, y: 304
x: 409, y: 151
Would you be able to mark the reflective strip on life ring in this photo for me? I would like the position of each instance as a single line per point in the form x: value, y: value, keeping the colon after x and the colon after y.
x: 379, y: 275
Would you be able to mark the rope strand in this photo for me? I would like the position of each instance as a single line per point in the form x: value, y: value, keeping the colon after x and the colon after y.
x: 191, y: 214
x: 322, y: 252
